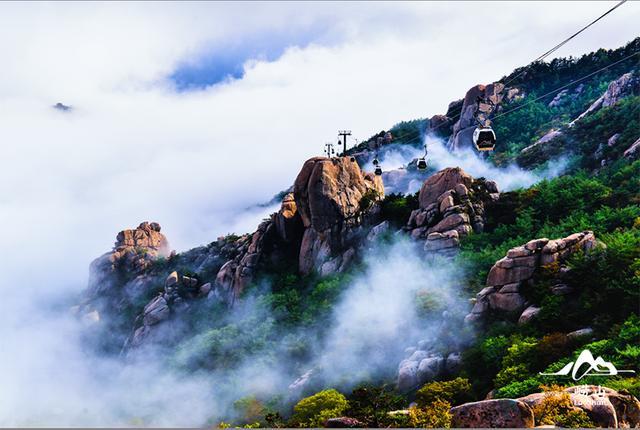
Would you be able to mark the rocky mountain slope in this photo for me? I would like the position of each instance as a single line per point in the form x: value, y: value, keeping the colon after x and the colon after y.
x: 529, y: 303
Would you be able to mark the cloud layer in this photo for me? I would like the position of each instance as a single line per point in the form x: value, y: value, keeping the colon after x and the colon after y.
x: 134, y: 149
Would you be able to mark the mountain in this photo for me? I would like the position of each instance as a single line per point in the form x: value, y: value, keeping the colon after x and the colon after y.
x: 415, y: 284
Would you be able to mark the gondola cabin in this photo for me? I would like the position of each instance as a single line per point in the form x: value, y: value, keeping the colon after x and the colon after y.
x: 484, y: 139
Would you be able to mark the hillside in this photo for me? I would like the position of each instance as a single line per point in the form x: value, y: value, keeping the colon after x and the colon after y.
x: 361, y: 296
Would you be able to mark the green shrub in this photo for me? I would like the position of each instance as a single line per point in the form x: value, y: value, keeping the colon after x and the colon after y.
x: 371, y: 405
x: 556, y: 409
x: 314, y: 410
x: 456, y: 391
x: 396, y: 208
x: 433, y: 415
x: 517, y: 389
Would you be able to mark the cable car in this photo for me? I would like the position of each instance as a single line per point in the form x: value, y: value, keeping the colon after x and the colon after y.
x: 375, y: 161
x: 422, y: 161
x: 484, y: 138
x: 378, y: 171
x: 353, y: 159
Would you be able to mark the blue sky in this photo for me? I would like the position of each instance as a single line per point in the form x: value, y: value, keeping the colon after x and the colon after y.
x: 226, y: 59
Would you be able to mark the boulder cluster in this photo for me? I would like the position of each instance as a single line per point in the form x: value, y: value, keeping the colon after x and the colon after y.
x: 329, y: 213
x: 425, y: 365
x: 178, y: 290
x: 503, y: 294
x: 452, y: 205
x: 604, y: 406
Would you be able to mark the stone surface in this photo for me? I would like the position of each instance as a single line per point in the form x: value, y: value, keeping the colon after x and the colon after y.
x: 461, y: 136
x: 529, y: 314
x: 342, y: 422
x: 633, y: 151
x: 626, y: 85
x: 451, y: 205
x: 604, y: 406
x: 334, y: 199
x: 497, y: 413
x: 502, y: 295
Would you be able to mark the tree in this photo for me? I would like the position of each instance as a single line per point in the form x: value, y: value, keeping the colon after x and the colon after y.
x: 314, y: 410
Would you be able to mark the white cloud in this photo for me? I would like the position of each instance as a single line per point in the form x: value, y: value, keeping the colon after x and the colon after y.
x: 133, y: 149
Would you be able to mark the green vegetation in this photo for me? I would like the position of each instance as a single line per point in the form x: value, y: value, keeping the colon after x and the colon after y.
x: 370, y: 405
x: 396, y: 208
x: 314, y: 410
x: 433, y: 415
x: 556, y: 409
x: 290, y: 313
x: 455, y: 392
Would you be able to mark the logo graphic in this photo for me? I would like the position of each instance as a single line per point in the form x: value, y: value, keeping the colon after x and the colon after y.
x: 594, y: 367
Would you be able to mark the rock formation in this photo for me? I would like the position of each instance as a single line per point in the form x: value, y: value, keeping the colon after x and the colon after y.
x: 134, y: 251
x: 423, y: 366
x: 633, y: 151
x: 626, y: 85
x: 604, y: 406
x: 502, y: 295
x: 461, y: 136
x: 451, y: 206
x: 333, y: 198
x: 496, y: 413
x: 320, y: 225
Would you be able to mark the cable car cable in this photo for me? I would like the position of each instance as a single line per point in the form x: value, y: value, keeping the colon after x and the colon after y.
x: 559, y: 45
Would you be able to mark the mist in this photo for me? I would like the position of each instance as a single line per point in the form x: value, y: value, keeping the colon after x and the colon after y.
x: 134, y: 147
x: 396, y: 157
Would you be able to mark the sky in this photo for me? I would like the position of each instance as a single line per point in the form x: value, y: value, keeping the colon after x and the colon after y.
x: 189, y: 113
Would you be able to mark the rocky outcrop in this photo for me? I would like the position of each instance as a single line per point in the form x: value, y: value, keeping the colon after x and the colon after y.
x: 236, y: 274
x: 176, y: 296
x: 497, y: 413
x: 502, y: 295
x: 462, y: 132
x: 604, y: 406
x: 288, y: 223
x: 133, y: 252
x: 343, y: 422
x: 333, y: 198
x: 626, y: 85
x: 633, y: 151
x: 452, y: 205
x: 423, y: 365
x: 549, y: 137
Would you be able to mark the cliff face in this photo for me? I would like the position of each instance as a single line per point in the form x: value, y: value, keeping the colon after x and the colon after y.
x: 320, y: 225
x: 503, y: 295
x: 334, y: 200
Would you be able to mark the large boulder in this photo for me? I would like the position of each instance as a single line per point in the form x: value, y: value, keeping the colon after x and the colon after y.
x: 452, y: 204
x: 328, y: 191
x: 604, y: 406
x: 333, y: 198
x: 497, y: 413
x: 502, y: 295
